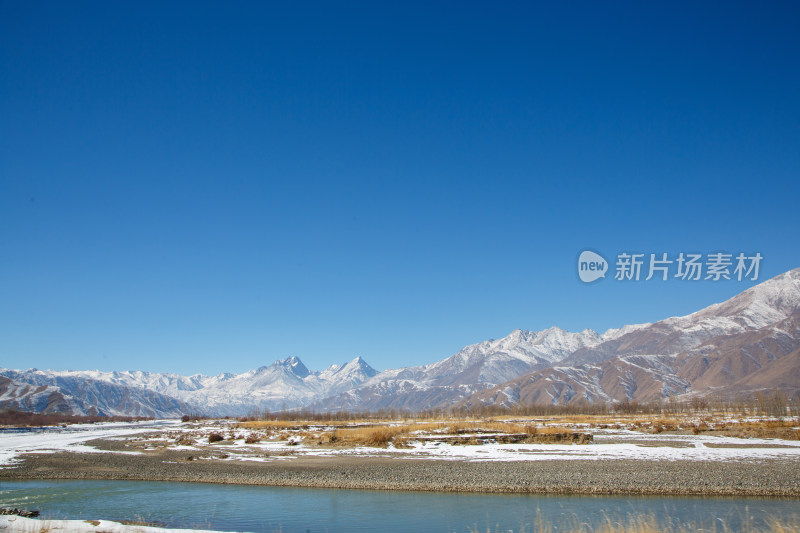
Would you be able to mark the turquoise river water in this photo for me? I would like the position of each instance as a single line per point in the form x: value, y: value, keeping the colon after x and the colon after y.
x: 256, y: 508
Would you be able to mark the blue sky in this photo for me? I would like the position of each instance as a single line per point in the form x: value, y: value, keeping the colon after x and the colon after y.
x: 192, y: 187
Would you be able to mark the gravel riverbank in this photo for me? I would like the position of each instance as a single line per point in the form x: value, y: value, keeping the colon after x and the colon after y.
x: 770, y: 477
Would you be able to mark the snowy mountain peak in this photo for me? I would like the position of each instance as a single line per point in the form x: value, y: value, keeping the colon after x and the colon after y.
x: 515, y: 337
x: 294, y: 365
x: 781, y: 293
x: 357, y: 369
x: 358, y: 364
x: 766, y: 303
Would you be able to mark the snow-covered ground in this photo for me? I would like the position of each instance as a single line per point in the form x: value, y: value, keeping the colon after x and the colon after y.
x: 641, y: 446
x: 609, y: 444
x: 16, y: 441
x: 18, y: 524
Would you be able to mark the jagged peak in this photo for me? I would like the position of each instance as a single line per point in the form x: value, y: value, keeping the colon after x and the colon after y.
x: 517, y: 334
x: 294, y: 364
x: 358, y: 363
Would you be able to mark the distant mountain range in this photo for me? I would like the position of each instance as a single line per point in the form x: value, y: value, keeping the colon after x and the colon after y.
x: 284, y: 384
x: 746, y: 344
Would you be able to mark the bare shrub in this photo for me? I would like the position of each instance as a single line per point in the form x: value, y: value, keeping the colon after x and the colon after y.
x: 185, y: 440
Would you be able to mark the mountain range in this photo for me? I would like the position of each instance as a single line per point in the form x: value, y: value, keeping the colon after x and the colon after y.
x: 748, y: 343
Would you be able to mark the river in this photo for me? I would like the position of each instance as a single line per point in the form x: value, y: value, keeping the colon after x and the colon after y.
x: 268, y: 509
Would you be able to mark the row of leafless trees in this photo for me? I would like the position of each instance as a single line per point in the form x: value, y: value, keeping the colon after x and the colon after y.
x: 12, y: 417
x: 774, y: 403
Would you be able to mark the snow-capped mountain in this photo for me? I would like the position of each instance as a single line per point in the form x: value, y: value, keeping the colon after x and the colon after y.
x: 767, y: 303
x: 74, y: 393
x: 747, y: 343
x: 284, y: 384
x: 474, y: 368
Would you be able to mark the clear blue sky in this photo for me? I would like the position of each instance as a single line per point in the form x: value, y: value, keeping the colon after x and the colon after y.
x: 194, y: 187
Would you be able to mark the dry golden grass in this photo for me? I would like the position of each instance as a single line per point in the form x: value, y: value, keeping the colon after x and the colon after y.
x: 650, y: 524
x: 484, y: 426
x: 573, y: 419
x: 277, y: 424
x: 425, y: 427
x: 764, y: 429
x: 776, y: 527
x: 369, y: 436
x: 549, y: 430
x: 498, y: 423
x: 381, y: 432
x: 401, y: 434
x: 305, y: 424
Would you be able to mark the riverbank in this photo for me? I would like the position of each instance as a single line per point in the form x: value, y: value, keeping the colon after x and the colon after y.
x: 763, y: 477
x: 19, y: 524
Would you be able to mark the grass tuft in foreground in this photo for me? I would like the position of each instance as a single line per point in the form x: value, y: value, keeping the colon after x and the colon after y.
x: 650, y: 524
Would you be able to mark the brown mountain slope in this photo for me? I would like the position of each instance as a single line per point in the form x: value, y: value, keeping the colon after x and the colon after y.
x: 734, y: 359
x: 760, y: 306
x: 767, y: 358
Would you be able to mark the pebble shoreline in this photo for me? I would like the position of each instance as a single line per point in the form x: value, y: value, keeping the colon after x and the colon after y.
x: 751, y: 478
